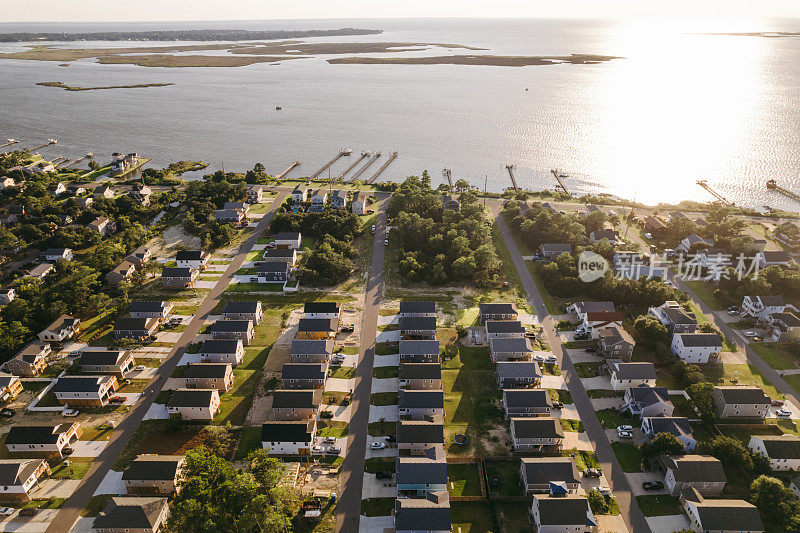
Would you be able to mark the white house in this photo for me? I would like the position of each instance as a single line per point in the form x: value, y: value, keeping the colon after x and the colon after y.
x: 6, y: 295
x: 595, y: 322
x: 581, y: 309
x: 559, y: 514
x: 288, y: 437
x: 322, y: 310
x: 194, y: 404
x: 691, y: 240
x: 63, y: 328
x: 194, y: 259
x: 626, y: 375
x: 696, y: 347
x: 760, y: 306
x: 783, y: 451
x: 289, y: 239
x: 19, y: 476
x: 54, y: 254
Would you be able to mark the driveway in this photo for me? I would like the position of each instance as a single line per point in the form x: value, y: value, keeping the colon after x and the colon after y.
x: 202, y: 284
x: 388, y: 336
x: 607, y: 403
x: 56, y: 488
x: 387, y: 360
x: 387, y: 412
x: 787, y: 405
x: 378, y: 488
x: 568, y: 411
x: 385, y: 385
x: 111, y: 484
x: 168, y: 336
x: 579, y: 441
x: 190, y: 358
x: 375, y: 524
x: 342, y: 385
x: 389, y: 319
x: 341, y: 413
x: 157, y: 411
x: 668, y: 524
x: 553, y: 382
x: 637, y: 478
x: 88, y: 448
x: 130, y: 397
x: 174, y: 383
x: 35, y: 524
x: 147, y: 373
x: 600, y: 382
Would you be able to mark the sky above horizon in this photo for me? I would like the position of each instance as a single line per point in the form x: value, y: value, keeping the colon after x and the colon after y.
x: 213, y: 10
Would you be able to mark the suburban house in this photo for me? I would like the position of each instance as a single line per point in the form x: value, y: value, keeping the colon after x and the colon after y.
x: 239, y: 206
x: 338, y: 198
x: 633, y: 265
x: 760, y: 306
x: 120, y: 163
x: 420, y: 376
x: 421, y: 327
x: 230, y: 215
x: 84, y: 391
x: 608, y: 234
x: 194, y: 259
x: 222, y: 351
x: 708, y: 257
x: 360, y: 203
x: 616, y: 343
x: 153, y: 474
x: 240, y: 310
x: 582, y: 309
x: 418, y: 404
x: 556, y: 514
x: 741, y: 402
x: 83, y: 203
x: 296, y: 404
x: 504, y: 329
x: 139, y: 514
x: 194, y: 404
x: 40, y: 271
x: 551, y: 250
x: 430, y: 514
x: 122, y: 272
x: 674, y: 425
x: 272, y: 272
x: 498, y: 311
x: 769, y: 258
x: 159, y: 310
x: 208, y: 376
x: 688, y: 242
x: 103, y: 226
x: 141, y: 196
x: 596, y: 321
x: 300, y: 193
x: 42, y: 441
x: 311, y: 351
x: 625, y: 375
x: 288, y: 438
x: 645, y: 401
x: 20, y: 477
x: 422, y: 474
x: 785, y: 327
x: 526, y: 402
x: 535, y: 434
x: 7, y: 295
x: 318, y: 201
x: 448, y: 202
x: 135, y: 328
x: 140, y: 256
x: 672, y: 315
x: 783, y: 451
x: 29, y: 362
x: 116, y: 362
x: 515, y: 349
x: 417, y: 436
x: 516, y: 374
x: 233, y: 330
x: 720, y: 515
x: 255, y: 194
x: 417, y: 309
x: 317, y: 328
x: 322, y: 310
x: 62, y: 329
x: 289, y: 240
x: 178, y: 278
x: 103, y: 191
x: 10, y: 387
x: 6, y: 182
x: 51, y: 255
x: 701, y: 472
x: 696, y: 347
x: 304, y: 375
x: 537, y: 474
x: 419, y: 351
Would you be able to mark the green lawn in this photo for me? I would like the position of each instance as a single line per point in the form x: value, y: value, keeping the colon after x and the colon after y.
x: 49, y: 503
x: 472, y: 517
x: 560, y: 395
x: 468, y: 317
x: 386, y: 348
x: 381, y: 429
x: 373, y: 465
x: 583, y: 458
x: 508, y: 471
x: 588, y: 370
x: 349, y: 350
x: 76, y: 468
x: 741, y: 374
x: 342, y: 372
x: 705, y: 291
x: 383, y: 398
x: 377, y: 506
x: 332, y: 429
x: 683, y: 407
x: 659, y: 505
x: 572, y: 425
x: 96, y: 504
x: 611, y: 418
x: 628, y: 456
x: 249, y: 440
x: 463, y: 479
x: 776, y: 355
x: 385, y: 372
x: 602, y: 393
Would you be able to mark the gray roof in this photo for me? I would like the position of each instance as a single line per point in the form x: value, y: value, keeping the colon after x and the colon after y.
x: 296, y: 398
x: 770, y: 300
x: 422, y: 514
x: 191, y: 398
x: 432, y: 468
x: 146, y: 307
x: 17, y: 471
x: 111, y: 357
x: 497, y: 308
x: 427, y: 323
x: 419, y: 347
x: 176, y: 273
x: 537, y: 428
x: 718, y: 515
x: 789, y: 319
x: 130, y: 513
x: 153, y: 468
x: 80, y: 383
x: 273, y: 266
x: 678, y: 316
x: 288, y: 236
x: 219, y: 346
x: 634, y: 370
x: 700, y: 339
x: 595, y: 307
x: 781, y: 446
x: 747, y: 395
x: 420, y: 431
x: 543, y: 470
x: 510, y: 345
x: 279, y: 252
x: 518, y: 369
x: 674, y: 425
x: 237, y: 306
x: 556, y: 247
x: 321, y: 307
x: 645, y: 395
x: 312, y: 347
x: 504, y: 326
x: 696, y: 468
x: 318, y: 324
x: 231, y: 325
x: 420, y: 371
x: 36, y: 434
x: 286, y: 431
x: 206, y: 370
x: 412, y: 399
x: 132, y: 324
x: 563, y: 510
x: 527, y: 398
x: 190, y: 255
x: 303, y: 371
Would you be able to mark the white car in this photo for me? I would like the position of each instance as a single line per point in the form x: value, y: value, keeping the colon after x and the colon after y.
x: 140, y: 368
x: 625, y: 434
x: 624, y: 428
x: 732, y: 312
x: 551, y: 359
x: 329, y: 439
x: 386, y: 242
x: 70, y: 412
x: 749, y: 333
x: 605, y: 491
x: 377, y: 446
x: 783, y: 412
x: 539, y: 358
x: 318, y: 449
x: 7, y: 511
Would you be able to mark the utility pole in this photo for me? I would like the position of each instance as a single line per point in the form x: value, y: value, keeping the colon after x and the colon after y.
x: 485, y: 181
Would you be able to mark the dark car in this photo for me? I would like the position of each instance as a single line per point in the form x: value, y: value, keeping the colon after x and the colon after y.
x: 557, y: 405
x: 495, y: 481
x: 67, y: 451
x: 384, y: 475
x: 591, y: 349
x: 117, y: 399
x: 28, y: 511
x: 592, y: 472
x: 349, y: 327
x: 581, y: 336
x: 7, y: 412
x: 652, y: 485
x: 326, y: 414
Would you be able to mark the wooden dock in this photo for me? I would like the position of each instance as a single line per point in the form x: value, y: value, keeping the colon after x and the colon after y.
x: 704, y: 184
x: 48, y: 143
x: 358, y: 160
x: 510, y: 169
x: 368, y: 164
x: 773, y: 186
x: 9, y: 143
x: 327, y: 165
x: 383, y: 167
x: 90, y: 155
x: 447, y: 173
x: 288, y: 169
x: 561, y: 185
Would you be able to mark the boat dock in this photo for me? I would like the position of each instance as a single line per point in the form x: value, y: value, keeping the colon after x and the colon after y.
x: 90, y: 155
x: 58, y: 161
x: 9, y: 142
x: 447, y: 173
x: 383, y: 167
x: 288, y: 169
x: 374, y: 158
x: 773, y: 186
x: 332, y: 161
x: 510, y: 169
x: 557, y: 174
x: 704, y: 184
x: 48, y: 143
x: 358, y: 160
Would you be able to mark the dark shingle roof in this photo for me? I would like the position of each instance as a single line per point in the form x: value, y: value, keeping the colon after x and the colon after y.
x: 427, y: 399
x: 770, y: 300
x: 130, y: 513
x: 36, y: 434
x: 419, y: 347
x: 176, y: 273
x: 231, y: 325
x: 645, y: 395
x: 678, y: 316
x: 718, y: 515
x: 510, y: 345
x: 132, y: 324
x: 146, y: 307
x: 696, y: 468
x: 700, y: 339
x: 286, y: 431
x: 303, y: 371
x: 781, y: 446
x: 595, y: 307
x: 219, y: 346
x: 318, y: 324
x: 674, y: 425
x: 635, y: 370
x: 743, y: 395
x: 417, y: 307
x: 420, y: 371
x: 518, y: 369
x: 420, y: 431
x: 537, y: 428
x: 430, y: 469
x: 17, y: 471
x: 498, y: 308
x: 563, y: 510
x: 287, y: 236
x: 189, y: 255
x: 296, y: 398
x: 312, y: 347
x: 279, y: 252
x: 206, y: 370
x: 191, y: 398
x: 321, y: 307
x: 102, y: 357
x: 236, y: 306
x: 153, y: 468
x: 273, y: 266
x: 527, y: 398
x: 422, y: 514
x: 415, y: 323
x: 80, y: 383
x: 542, y: 470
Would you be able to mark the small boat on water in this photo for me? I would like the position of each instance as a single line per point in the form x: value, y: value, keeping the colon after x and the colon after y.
x: 278, y: 108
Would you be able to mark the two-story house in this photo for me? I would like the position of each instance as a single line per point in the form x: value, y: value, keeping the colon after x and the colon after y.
x: 243, y: 310
x: 417, y: 309
x: 322, y: 310
x: 84, y: 391
x: 115, y: 362
x: 696, y: 347
x: 720, y: 515
x: 497, y: 311
x: 416, y: 436
x: 504, y: 329
x: 62, y: 329
x: 42, y: 441
x: 233, y: 330
x: 311, y: 351
x: 517, y: 374
x: 420, y: 376
x: 289, y: 240
x: 557, y: 514
x: 537, y: 474
x: 417, y: 327
x: 535, y: 434
x: 30, y: 361
x: 418, y: 404
x: 701, y: 472
x: 179, y: 278
x: 194, y: 404
x: 20, y: 477
x: 677, y: 426
x: 616, y: 342
x: 674, y: 318
x: 135, y: 328
x: 153, y: 474
x: 430, y: 514
x: 741, y: 402
x: 296, y: 404
x: 208, y: 376
x: 288, y: 438
x: 419, y: 351
x: 624, y: 375
x: 160, y: 310
x: 526, y: 402
x: 194, y: 259
x: 304, y: 375
x: 645, y: 400
x: 783, y: 451
x: 140, y: 514
x: 504, y: 350
x: 222, y: 351
x: 759, y: 307
x: 422, y: 474
x: 317, y: 328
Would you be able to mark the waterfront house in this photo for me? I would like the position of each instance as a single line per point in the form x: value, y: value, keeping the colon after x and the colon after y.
x: 538, y: 473
x: 289, y: 240
x: 30, y: 361
x: 10, y: 387
x: 510, y: 349
x: 624, y: 375
x: 696, y: 347
x: 153, y: 474
x: 194, y: 259
x: 103, y: 191
x: 338, y: 198
x: 159, y: 310
x: 535, y: 434
x: 208, y: 376
x: 417, y: 436
x: 360, y: 203
x: 556, y: 514
x: 426, y: 351
x: 84, y: 391
x: 300, y: 193
x: 760, y: 307
x: 272, y: 272
x: 122, y: 272
x: 317, y: 328
x: 422, y: 474
x: 243, y: 310
x: 103, y: 226
x: 430, y: 514
x: 318, y: 201
x: 62, y: 329
x: 141, y: 197
x: 135, y: 328
x: 194, y: 404
x: 311, y: 351
x: 677, y: 426
x: 497, y: 311
x: 672, y: 315
x: 296, y: 404
x: 719, y: 515
x: 741, y: 402
x: 42, y: 441
x: 20, y: 477
x: 255, y: 194
x: 616, y: 343
x: 420, y: 376
x: 418, y: 404
x: 322, y: 310
x: 417, y: 309
x: 135, y: 514
x: 51, y: 255
x: 526, y: 402
x: 179, y: 278
x: 233, y: 330
x: 288, y: 438
x: 287, y: 255
x: 504, y: 329
x: 229, y: 351
x: 517, y: 374
x: 783, y: 451
x: 645, y: 400
x: 114, y: 362
x: 304, y: 375
x: 551, y: 250
x: 701, y: 472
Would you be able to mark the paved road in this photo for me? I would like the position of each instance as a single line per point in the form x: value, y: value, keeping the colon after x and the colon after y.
x: 100, y: 467
x: 629, y: 509
x: 352, y: 476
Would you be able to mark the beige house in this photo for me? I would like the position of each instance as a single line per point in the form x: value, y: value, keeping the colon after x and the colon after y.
x: 85, y: 391
x: 20, y: 477
x: 153, y: 474
x: 122, y: 272
x: 194, y: 404
x: 208, y: 376
x: 296, y: 404
x: 62, y: 329
x: 10, y: 387
x: 132, y: 515
x: 741, y: 402
x: 42, y: 441
x: 417, y: 436
x: 31, y: 361
x: 116, y: 362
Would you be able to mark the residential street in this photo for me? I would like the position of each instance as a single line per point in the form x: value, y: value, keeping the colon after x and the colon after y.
x: 618, y: 481
x: 352, y: 472
x: 75, y: 504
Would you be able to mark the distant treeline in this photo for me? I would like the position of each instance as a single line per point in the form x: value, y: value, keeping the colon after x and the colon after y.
x: 182, y: 35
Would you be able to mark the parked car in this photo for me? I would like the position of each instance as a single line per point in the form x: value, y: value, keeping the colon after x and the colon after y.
x: 551, y: 359
x: 271, y: 244
x: 652, y: 485
x: 538, y: 358
x: 384, y: 475
x: 117, y: 399
x: 67, y: 451
x: 349, y: 327
x: 386, y: 242
x: 7, y: 412
x: 605, y: 491
x: 75, y: 353
x: 732, y: 312
x: 70, y: 412
x: 557, y: 405
x: 6, y: 511
x: 776, y: 403
x: 783, y: 413
x: 624, y: 428
x: 329, y: 439
x: 377, y: 446
x: 581, y: 336
x: 592, y: 472
x: 28, y: 511
x: 140, y: 368
x: 591, y: 349
x: 334, y: 449
x: 749, y: 333
x: 326, y: 414
x: 372, y: 229
x: 625, y: 435
x: 390, y: 438
x: 318, y: 449
x: 758, y: 338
